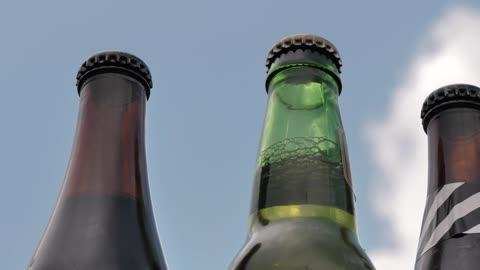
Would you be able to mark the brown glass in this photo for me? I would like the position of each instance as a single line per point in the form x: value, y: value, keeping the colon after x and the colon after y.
x: 453, y: 156
x: 103, y: 218
x: 454, y: 147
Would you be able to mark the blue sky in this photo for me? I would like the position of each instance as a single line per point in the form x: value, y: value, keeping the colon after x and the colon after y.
x: 206, y: 110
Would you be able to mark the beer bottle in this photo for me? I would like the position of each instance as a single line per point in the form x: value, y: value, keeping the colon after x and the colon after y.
x: 103, y: 217
x: 302, y: 210
x: 450, y: 233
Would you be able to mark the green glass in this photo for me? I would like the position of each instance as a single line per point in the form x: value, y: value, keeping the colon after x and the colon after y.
x: 302, y: 212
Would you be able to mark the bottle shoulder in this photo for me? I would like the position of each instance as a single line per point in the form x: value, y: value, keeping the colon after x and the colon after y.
x: 99, y: 232
x: 460, y: 252
x: 302, y: 244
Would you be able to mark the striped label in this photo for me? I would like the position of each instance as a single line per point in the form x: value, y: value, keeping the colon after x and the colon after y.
x: 453, y: 211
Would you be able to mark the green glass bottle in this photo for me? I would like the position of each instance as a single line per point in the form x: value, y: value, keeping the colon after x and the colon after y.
x: 302, y: 212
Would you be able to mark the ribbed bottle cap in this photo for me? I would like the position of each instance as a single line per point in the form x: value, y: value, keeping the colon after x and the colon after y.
x: 304, y: 42
x: 117, y: 62
x: 450, y: 96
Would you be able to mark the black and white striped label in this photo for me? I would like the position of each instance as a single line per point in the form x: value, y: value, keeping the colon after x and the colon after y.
x: 453, y: 211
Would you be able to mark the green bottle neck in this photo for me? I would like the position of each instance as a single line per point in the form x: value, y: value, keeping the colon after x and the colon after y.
x: 302, y: 167
x: 302, y: 103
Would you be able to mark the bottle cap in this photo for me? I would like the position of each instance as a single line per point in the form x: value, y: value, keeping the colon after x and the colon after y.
x: 303, y: 42
x: 450, y: 96
x: 303, y: 49
x: 116, y: 62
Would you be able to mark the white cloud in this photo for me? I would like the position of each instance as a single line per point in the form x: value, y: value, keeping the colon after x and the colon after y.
x: 450, y: 54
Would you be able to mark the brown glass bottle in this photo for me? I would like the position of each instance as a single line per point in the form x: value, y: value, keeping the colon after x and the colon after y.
x: 103, y: 218
x: 450, y: 234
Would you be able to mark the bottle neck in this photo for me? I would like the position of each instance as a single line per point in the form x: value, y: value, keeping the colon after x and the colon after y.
x: 302, y: 103
x: 108, y: 154
x: 303, y: 168
x: 451, y: 209
x: 453, y: 148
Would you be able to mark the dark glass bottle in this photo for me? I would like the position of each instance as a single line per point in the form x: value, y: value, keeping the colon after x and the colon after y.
x: 302, y: 210
x: 103, y: 218
x: 450, y: 233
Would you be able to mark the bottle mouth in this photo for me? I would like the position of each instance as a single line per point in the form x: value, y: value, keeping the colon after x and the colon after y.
x: 455, y: 104
x: 300, y: 59
x: 303, y: 42
x: 448, y: 97
x: 115, y: 62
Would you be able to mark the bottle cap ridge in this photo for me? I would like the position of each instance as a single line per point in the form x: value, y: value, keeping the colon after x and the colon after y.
x: 117, y: 62
x: 303, y: 42
x: 454, y: 95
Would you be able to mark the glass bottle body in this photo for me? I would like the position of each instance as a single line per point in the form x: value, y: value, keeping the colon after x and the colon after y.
x: 103, y: 218
x: 302, y: 214
x: 450, y: 234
